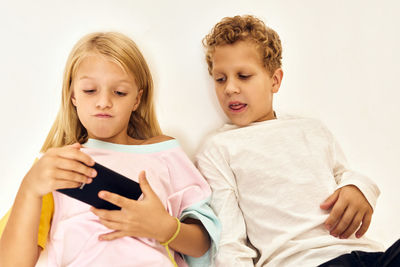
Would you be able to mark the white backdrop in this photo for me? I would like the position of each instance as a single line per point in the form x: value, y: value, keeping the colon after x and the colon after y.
x: 340, y: 59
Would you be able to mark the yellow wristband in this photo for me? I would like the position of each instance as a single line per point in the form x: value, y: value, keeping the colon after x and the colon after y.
x: 165, y: 244
x: 174, y: 235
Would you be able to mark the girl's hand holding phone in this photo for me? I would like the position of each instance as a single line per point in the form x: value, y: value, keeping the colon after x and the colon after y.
x: 63, y: 167
x: 144, y: 218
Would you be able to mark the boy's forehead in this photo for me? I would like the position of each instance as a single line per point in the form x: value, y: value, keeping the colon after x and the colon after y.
x: 237, y: 54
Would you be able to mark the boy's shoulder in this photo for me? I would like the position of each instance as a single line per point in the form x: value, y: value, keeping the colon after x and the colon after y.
x: 229, y: 133
x: 282, y: 120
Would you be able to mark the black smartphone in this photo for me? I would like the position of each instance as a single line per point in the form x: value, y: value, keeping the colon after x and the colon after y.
x: 108, y: 180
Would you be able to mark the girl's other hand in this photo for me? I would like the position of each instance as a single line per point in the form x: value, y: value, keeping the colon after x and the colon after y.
x: 144, y: 218
x: 63, y: 167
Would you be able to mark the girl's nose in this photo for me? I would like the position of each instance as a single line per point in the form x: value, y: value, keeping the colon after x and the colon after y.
x: 104, y: 101
x: 231, y: 87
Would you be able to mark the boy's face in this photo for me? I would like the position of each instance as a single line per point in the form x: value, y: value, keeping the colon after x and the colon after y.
x: 243, y: 85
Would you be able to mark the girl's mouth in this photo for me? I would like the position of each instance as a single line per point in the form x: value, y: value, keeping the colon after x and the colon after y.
x: 102, y: 115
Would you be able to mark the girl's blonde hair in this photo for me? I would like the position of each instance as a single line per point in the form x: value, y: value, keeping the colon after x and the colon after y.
x: 143, y: 124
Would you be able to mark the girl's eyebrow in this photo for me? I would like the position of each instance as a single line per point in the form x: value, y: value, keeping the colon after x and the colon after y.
x: 85, y: 77
x: 91, y: 78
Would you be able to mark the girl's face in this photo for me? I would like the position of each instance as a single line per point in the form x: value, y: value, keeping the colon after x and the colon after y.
x: 105, y: 96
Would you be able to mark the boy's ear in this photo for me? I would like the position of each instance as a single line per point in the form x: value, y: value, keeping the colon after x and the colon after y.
x: 277, y: 80
x: 138, y: 98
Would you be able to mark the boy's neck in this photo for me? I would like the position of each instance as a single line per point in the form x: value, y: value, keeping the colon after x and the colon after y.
x: 273, y: 117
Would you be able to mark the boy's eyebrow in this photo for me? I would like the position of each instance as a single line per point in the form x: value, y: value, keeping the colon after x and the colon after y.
x: 215, y: 71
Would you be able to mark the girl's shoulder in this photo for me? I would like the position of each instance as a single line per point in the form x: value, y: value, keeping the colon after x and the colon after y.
x: 157, y: 139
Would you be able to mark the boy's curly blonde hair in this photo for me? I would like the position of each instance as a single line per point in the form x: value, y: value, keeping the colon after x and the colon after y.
x: 245, y: 28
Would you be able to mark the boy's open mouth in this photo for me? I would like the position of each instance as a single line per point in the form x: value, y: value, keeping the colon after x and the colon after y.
x: 237, y: 107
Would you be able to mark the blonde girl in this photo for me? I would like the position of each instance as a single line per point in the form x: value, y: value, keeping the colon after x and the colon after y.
x: 107, y: 116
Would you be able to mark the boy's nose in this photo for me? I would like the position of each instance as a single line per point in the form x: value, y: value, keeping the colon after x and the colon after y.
x: 231, y: 87
x: 104, y: 101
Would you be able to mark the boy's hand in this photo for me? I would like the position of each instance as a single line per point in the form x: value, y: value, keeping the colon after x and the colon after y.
x: 349, y: 209
x: 144, y: 218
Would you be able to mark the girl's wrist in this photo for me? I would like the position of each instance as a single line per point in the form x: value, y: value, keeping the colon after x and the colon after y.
x: 26, y: 189
x: 167, y: 229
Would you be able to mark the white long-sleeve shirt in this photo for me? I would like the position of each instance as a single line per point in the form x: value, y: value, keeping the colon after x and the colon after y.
x: 268, y: 180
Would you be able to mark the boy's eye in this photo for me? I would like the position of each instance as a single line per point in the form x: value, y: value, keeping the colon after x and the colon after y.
x: 220, y: 79
x: 120, y: 93
x: 244, y: 76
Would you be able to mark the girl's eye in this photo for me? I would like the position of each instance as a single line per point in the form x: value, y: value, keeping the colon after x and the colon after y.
x: 89, y: 91
x: 119, y: 93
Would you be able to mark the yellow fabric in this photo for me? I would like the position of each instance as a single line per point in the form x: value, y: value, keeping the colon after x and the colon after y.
x: 3, y: 222
x: 45, y: 219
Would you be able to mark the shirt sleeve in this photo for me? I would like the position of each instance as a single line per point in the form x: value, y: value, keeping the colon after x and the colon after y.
x: 345, y: 176
x: 191, y: 199
x: 203, y: 212
x: 233, y: 249
x: 45, y: 220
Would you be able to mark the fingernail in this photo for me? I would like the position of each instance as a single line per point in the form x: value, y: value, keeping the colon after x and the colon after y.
x: 94, y: 173
x: 89, y: 180
x: 328, y: 226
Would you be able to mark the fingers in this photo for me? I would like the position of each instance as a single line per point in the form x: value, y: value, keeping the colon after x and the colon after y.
x: 335, y: 215
x: 75, y: 166
x: 111, y: 225
x: 342, y: 223
x: 355, y: 224
x: 330, y: 201
x: 108, y: 215
x: 63, y: 184
x: 76, y: 154
x: 76, y: 145
x: 72, y: 152
x: 112, y: 236
x: 72, y: 176
x: 366, y: 221
x: 346, y: 221
x: 144, y: 185
x: 116, y: 199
